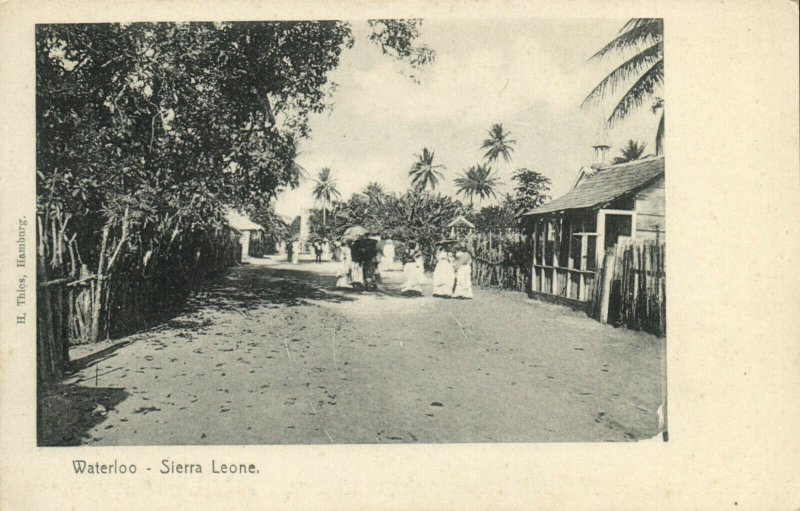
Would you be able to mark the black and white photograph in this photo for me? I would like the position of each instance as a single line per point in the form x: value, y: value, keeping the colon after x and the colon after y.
x: 357, y: 254
x: 350, y: 232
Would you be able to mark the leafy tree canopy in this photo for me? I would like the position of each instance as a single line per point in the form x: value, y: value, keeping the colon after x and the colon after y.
x: 530, y: 190
x: 164, y: 123
x: 411, y: 216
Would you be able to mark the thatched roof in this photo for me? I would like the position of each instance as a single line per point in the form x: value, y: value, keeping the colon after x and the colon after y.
x: 605, y: 185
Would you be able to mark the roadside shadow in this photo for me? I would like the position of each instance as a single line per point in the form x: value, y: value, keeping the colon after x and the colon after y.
x: 250, y: 287
x: 80, y: 364
x: 66, y: 412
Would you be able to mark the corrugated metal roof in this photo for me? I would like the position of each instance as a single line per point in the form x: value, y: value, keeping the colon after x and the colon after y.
x: 606, y: 185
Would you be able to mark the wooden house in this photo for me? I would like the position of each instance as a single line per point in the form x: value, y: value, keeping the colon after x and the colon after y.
x: 570, y: 234
x: 251, y: 234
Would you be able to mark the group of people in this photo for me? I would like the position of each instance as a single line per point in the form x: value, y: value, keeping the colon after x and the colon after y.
x: 292, y: 249
x: 452, y: 276
x: 362, y: 263
x: 360, y: 260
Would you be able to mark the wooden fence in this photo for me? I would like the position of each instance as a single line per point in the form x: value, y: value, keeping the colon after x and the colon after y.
x: 500, y: 260
x: 77, y: 306
x: 631, y: 289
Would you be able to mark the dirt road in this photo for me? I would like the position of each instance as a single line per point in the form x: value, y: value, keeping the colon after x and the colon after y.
x: 271, y: 353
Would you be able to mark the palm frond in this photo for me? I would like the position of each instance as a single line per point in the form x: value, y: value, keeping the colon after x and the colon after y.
x: 641, y: 90
x: 636, y: 32
x: 624, y: 72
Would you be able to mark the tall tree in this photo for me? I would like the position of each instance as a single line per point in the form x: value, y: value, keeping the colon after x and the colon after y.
x: 530, y: 190
x: 147, y: 131
x: 479, y: 181
x: 325, y: 190
x: 424, y: 172
x: 631, y: 151
x: 498, y: 144
x: 640, y: 76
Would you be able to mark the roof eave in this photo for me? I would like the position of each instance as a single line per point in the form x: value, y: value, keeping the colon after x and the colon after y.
x: 600, y: 204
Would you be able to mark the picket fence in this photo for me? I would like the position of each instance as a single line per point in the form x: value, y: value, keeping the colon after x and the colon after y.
x: 632, y: 288
x: 500, y: 260
x: 76, y: 306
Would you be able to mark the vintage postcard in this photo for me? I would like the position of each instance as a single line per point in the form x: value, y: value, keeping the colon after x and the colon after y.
x: 372, y: 256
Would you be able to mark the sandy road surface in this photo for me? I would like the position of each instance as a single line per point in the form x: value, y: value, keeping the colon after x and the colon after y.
x: 271, y: 353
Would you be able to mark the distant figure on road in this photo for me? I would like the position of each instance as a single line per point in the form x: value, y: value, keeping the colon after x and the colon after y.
x: 412, y: 270
x: 344, y: 280
x: 289, y: 249
x: 295, y: 252
x: 463, y: 264
x: 318, y: 251
x: 326, y: 250
x: 365, y: 251
x: 444, y: 275
x: 356, y: 266
x: 387, y: 261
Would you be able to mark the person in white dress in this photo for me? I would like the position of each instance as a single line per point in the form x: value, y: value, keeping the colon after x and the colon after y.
x: 412, y: 271
x: 387, y: 261
x: 344, y: 280
x: 356, y: 269
x: 463, y: 263
x: 444, y: 275
x: 326, y: 250
x: 295, y: 252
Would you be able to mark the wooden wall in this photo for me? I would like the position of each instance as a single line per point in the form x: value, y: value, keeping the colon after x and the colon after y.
x: 650, y: 212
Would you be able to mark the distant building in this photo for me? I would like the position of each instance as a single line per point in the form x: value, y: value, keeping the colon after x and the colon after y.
x: 571, y: 233
x: 250, y: 233
x: 300, y: 228
x: 460, y: 226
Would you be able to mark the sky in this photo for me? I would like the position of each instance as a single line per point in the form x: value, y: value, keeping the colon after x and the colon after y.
x: 529, y: 75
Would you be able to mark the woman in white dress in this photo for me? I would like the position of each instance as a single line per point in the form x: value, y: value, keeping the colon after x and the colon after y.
x: 326, y: 251
x: 444, y: 275
x: 356, y: 268
x: 344, y: 280
x: 387, y: 261
x: 295, y: 252
x: 412, y: 271
x: 463, y: 262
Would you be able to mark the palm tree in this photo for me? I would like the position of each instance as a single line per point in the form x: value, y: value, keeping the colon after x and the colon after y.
x: 645, y: 69
x: 632, y: 151
x: 325, y: 190
x: 498, y: 144
x: 477, y: 180
x: 373, y: 189
x: 424, y: 172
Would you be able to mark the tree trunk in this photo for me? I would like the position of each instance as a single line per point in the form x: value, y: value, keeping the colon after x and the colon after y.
x: 97, y: 305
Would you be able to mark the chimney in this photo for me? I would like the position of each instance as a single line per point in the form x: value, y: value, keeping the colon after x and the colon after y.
x: 601, y: 148
x: 600, y: 154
